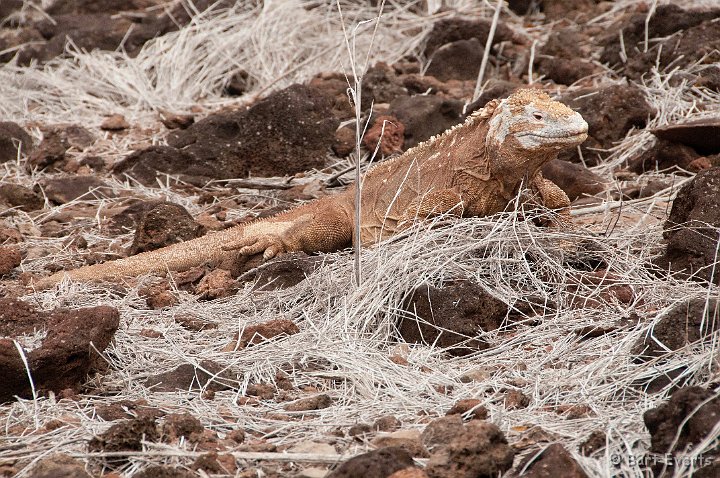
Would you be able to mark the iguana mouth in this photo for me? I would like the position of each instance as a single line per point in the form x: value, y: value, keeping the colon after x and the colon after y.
x: 565, y: 135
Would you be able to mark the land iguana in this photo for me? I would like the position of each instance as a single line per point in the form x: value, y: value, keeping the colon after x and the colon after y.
x: 475, y: 168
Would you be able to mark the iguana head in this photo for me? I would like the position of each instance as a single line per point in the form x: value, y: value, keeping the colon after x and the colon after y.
x: 528, y: 129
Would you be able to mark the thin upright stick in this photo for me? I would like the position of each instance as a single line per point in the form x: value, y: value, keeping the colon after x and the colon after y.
x: 486, y: 53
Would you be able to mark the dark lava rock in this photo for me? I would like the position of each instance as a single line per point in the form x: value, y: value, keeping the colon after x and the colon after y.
x: 564, y: 71
x: 13, y: 139
x: 258, y: 333
x: 702, y: 135
x: 51, y: 150
x: 284, y: 271
x: 316, y: 402
x: 554, y: 462
x: 691, y: 230
x: 442, y: 431
x: 127, y: 435
x: 67, y: 353
x: 522, y: 7
x: 10, y: 258
x: 25, y: 199
x: 454, y: 29
x: 59, y: 465
x: 685, y: 420
x: 177, y: 425
x: 595, y: 442
x: 164, y: 224
x: 208, y: 376
x: 610, y: 112
x: 494, y: 89
x: 66, y: 189
x: 375, y: 464
x: 425, y: 116
x: 95, y: 6
x: 684, y: 324
x: 450, y: 315
x: 479, y: 451
x: 700, y: 43
x: 667, y: 19
x: 459, y: 60
x: 575, y: 179
x: 661, y: 155
x: 9, y: 6
x: 288, y: 132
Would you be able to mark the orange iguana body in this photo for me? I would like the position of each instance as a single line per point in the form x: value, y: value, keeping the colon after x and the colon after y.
x: 473, y: 169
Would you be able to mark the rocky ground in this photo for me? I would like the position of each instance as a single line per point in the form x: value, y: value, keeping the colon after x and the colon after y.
x: 472, y: 348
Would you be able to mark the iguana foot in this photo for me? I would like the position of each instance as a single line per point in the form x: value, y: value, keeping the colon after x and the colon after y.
x: 249, y: 246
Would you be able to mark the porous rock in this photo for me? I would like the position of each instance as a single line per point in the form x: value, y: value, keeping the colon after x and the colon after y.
x: 663, y: 154
x: 127, y: 435
x: 284, y: 271
x: 683, y: 421
x: 59, y: 465
x: 10, y: 258
x: 389, y: 132
x: 375, y: 464
x: 258, y: 333
x: 702, y: 135
x: 691, y: 230
x: 480, y: 451
x: 452, y: 314
x: 610, y: 111
x: 21, y: 197
x: 158, y: 471
x: 208, y: 376
x: 66, y: 189
x: 575, y: 179
x: 442, y: 431
x: 454, y: 29
x: 459, y: 60
x: 425, y: 116
x: 66, y: 354
x: 684, y: 324
x: 554, y: 462
x: 13, y: 138
x: 164, y: 224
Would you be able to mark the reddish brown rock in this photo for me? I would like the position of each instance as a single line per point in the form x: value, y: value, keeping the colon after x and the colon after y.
x: 554, y: 462
x: 450, y: 30
x: 284, y: 271
x: 13, y: 139
x: 59, y: 465
x: 208, y: 376
x: 691, y: 229
x: 216, y: 284
x: 116, y: 122
x: 179, y: 425
x: 684, y: 324
x: 450, y: 315
x: 10, y: 258
x: 469, y: 407
x: 442, y: 431
x: 164, y: 224
x: 702, y: 135
x: 67, y: 353
x: 375, y: 464
x: 593, y: 443
x: 479, y: 451
x: 458, y: 60
x: 425, y: 116
x: 20, y: 197
x: 127, y: 435
x: 409, y: 473
x: 575, y: 179
x: 316, y: 402
x: 288, y: 132
x: 683, y: 421
x: 258, y: 333
x: 661, y: 155
x: 610, y: 111
x: 66, y: 189
x: 389, y: 132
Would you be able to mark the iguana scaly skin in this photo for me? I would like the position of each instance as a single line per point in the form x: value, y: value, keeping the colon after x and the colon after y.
x: 473, y: 169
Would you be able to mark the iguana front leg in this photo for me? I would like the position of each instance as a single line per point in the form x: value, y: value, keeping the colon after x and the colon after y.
x: 552, y: 197
x: 323, y: 226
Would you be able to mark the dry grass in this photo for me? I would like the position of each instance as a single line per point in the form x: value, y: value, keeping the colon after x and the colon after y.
x: 348, y: 334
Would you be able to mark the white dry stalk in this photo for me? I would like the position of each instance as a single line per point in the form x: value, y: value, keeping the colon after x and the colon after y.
x: 486, y: 53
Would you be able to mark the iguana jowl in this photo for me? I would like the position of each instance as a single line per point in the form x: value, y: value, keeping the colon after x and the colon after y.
x: 472, y: 169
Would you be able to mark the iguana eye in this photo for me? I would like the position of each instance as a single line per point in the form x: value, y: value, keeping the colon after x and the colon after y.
x: 538, y: 116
